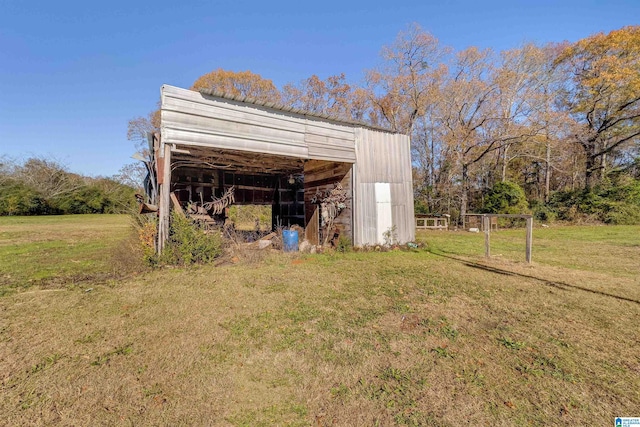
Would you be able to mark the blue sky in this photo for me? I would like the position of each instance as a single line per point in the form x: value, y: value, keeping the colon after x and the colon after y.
x: 72, y: 73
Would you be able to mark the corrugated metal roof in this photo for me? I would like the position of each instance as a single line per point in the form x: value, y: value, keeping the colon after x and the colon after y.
x: 288, y: 109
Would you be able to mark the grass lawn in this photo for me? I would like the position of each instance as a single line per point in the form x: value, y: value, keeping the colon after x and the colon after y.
x: 432, y: 337
x: 45, y: 249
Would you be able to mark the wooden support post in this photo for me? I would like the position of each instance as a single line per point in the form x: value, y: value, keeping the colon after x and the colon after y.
x: 529, y: 238
x: 176, y: 205
x: 164, y: 175
x: 486, y: 222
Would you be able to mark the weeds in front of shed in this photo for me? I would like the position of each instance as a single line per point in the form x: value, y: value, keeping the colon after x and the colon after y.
x: 189, y: 242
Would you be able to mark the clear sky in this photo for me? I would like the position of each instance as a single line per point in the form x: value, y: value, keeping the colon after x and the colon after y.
x: 72, y: 73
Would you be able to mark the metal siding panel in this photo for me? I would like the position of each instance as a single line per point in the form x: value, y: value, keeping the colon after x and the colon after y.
x: 232, y: 113
x: 190, y: 118
x: 173, y: 96
x: 365, y: 214
x: 330, y: 142
x: 330, y: 154
x: 370, y: 214
x: 383, y: 192
x: 332, y: 131
x: 384, y: 212
x: 398, y: 207
x: 397, y: 214
x: 235, y: 143
x: 196, y: 125
x: 384, y: 158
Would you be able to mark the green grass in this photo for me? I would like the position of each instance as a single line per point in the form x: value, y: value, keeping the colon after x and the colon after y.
x: 610, y: 249
x: 45, y: 249
x: 428, y: 337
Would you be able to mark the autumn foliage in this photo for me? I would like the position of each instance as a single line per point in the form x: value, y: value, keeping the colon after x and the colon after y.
x: 550, y: 119
x: 241, y: 84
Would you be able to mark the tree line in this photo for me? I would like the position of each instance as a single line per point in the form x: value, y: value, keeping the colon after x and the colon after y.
x: 41, y: 186
x: 550, y: 128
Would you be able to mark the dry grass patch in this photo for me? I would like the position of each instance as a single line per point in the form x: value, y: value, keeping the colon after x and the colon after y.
x: 397, y: 338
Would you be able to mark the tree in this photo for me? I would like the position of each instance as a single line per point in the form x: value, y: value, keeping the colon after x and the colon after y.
x: 402, y: 92
x: 403, y: 86
x: 7, y: 169
x: 243, y: 83
x: 604, y: 95
x: 139, y: 127
x: 132, y: 175
x: 467, y: 107
x: 333, y: 97
x: 48, y: 177
x: 19, y: 199
x: 519, y: 79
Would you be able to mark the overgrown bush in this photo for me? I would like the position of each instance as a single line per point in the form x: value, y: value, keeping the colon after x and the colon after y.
x: 615, y: 201
x: 544, y: 213
x: 344, y: 244
x: 390, y: 236
x: 188, y: 243
x: 621, y: 213
x: 18, y: 199
x: 85, y: 200
x: 505, y: 198
x: 147, y: 227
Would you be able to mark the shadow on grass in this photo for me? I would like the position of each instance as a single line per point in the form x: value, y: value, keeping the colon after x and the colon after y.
x: 558, y: 285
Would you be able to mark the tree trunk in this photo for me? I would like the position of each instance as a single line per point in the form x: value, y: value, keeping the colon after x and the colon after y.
x: 504, y: 162
x: 589, y: 178
x: 594, y: 170
x: 432, y: 172
x: 464, y: 196
x: 603, y: 166
x: 547, y: 173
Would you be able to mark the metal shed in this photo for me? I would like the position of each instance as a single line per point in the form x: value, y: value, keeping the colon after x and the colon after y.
x: 272, y: 154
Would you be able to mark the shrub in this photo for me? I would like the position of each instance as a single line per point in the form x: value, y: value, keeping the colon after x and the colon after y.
x: 544, y: 213
x: 616, y: 201
x: 344, y: 244
x: 420, y: 207
x: 18, y: 199
x: 506, y: 198
x: 147, y: 232
x: 621, y: 213
x: 390, y: 236
x: 189, y: 243
x: 85, y: 200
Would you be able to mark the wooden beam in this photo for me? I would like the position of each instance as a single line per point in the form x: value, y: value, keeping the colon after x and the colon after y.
x: 237, y: 160
x: 176, y: 205
x: 165, y: 196
x: 505, y: 215
x: 312, y: 228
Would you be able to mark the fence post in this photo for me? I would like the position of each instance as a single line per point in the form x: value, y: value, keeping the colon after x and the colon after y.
x: 529, y: 238
x: 486, y: 222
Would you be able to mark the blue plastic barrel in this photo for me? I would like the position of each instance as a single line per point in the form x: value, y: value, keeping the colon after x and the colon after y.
x: 290, y: 240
